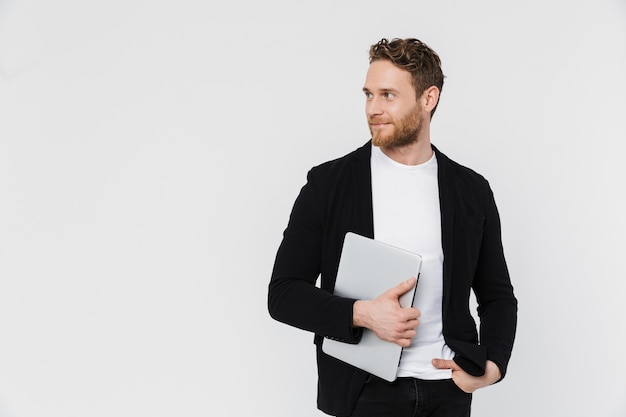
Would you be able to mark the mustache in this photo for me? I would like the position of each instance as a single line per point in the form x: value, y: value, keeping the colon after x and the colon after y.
x: 377, y: 120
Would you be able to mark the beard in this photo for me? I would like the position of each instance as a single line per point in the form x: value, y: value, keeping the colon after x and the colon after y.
x: 405, y: 131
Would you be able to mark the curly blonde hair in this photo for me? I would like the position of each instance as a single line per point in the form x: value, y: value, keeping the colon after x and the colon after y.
x: 415, y: 57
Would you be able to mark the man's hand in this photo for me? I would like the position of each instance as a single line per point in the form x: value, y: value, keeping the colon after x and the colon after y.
x: 465, y: 381
x: 386, y: 318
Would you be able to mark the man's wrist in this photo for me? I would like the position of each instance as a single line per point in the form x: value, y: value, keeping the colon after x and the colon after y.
x: 358, y: 314
x: 492, y: 372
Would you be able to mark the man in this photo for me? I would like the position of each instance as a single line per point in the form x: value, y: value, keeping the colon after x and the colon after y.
x: 400, y: 189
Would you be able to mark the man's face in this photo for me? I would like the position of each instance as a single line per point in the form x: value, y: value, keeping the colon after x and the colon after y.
x: 393, y: 113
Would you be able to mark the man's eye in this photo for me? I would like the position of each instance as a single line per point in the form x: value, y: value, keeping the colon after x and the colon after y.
x: 388, y: 95
x: 369, y: 96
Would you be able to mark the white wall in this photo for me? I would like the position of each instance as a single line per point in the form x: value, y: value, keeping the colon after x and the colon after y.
x: 150, y: 153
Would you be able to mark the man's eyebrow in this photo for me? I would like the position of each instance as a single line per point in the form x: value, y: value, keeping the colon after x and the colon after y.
x: 381, y: 90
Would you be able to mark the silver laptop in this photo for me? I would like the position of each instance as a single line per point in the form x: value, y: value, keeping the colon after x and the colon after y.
x: 367, y: 268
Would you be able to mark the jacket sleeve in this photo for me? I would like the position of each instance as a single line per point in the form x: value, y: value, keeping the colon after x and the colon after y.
x: 497, y: 305
x: 293, y: 297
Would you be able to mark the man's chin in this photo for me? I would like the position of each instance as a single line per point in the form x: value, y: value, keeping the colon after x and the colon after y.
x: 390, y: 143
x: 381, y: 141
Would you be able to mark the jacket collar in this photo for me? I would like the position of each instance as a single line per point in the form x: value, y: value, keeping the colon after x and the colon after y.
x: 362, y: 180
x: 447, y: 196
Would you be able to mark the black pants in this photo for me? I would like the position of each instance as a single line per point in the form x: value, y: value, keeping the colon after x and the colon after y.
x: 410, y: 397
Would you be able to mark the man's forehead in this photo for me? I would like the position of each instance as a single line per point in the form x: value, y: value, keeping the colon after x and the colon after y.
x: 383, y: 75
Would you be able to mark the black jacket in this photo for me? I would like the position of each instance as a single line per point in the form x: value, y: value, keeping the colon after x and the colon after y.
x: 336, y: 199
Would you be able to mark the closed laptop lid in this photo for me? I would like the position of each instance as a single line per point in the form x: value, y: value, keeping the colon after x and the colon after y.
x: 368, y: 268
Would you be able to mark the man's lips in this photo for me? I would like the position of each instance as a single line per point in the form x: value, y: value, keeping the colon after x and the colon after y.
x: 378, y: 125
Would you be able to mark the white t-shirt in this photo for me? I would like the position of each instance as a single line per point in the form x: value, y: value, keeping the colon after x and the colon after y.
x: 406, y: 214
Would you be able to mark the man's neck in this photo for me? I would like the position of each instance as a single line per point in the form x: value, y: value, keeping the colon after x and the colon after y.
x: 415, y: 153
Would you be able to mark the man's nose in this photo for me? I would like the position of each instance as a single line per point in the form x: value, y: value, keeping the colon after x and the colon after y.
x: 373, y: 107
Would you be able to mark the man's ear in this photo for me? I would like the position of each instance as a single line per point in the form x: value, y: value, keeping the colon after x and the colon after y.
x: 430, y: 98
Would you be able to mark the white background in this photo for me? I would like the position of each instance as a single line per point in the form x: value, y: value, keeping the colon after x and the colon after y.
x: 150, y: 152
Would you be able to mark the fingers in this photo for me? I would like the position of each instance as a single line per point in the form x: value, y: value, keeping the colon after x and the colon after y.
x: 407, y: 333
x: 445, y: 364
x: 401, y: 327
x: 405, y: 329
x: 411, y: 316
x: 404, y: 338
x: 387, y: 318
x: 402, y: 288
x: 403, y: 342
x: 404, y: 333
